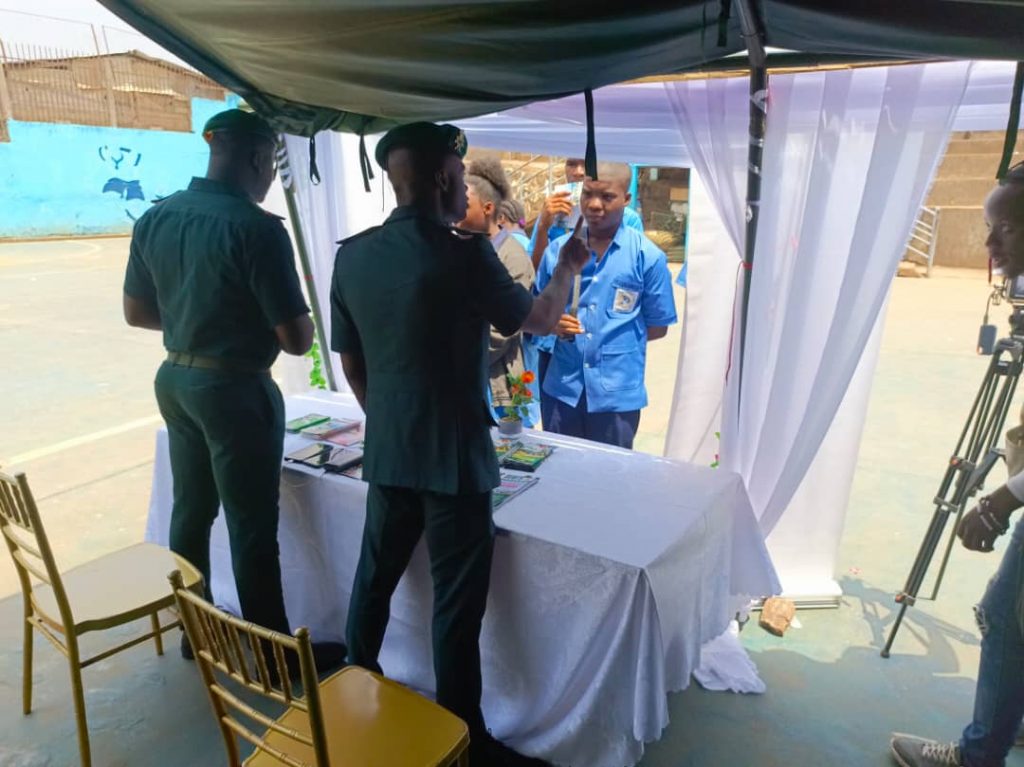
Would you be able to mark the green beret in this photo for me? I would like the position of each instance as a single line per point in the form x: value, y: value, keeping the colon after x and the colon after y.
x: 427, y: 137
x: 239, y: 121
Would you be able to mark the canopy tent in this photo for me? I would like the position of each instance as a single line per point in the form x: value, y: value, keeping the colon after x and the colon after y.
x: 363, y: 65
x: 636, y: 122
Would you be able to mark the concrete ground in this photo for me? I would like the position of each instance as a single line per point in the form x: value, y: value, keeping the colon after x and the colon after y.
x: 78, y: 415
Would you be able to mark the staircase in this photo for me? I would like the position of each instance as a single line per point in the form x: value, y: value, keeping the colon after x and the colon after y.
x: 950, y: 230
x: 532, y: 176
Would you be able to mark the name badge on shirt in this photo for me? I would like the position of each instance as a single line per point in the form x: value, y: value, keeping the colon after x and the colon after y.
x: 625, y: 300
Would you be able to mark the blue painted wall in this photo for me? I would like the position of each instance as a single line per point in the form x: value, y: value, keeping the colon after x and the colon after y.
x: 58, y: 180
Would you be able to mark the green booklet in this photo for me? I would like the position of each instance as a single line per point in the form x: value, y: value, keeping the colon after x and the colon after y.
x: 526, y: 457
x: 298, y: 424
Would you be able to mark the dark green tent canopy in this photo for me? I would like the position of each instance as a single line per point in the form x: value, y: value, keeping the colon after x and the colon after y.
x: 364, y: 65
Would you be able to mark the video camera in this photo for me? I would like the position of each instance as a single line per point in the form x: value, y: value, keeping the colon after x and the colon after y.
x: 1011, y: 291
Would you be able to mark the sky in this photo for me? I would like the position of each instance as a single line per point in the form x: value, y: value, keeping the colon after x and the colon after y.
x: 64, y: 26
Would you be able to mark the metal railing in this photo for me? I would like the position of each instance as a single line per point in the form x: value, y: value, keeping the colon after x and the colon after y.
x: 530, y: 184
x: 924, y: 236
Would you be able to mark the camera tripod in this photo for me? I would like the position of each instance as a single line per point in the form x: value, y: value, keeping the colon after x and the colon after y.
x: 975, y: 454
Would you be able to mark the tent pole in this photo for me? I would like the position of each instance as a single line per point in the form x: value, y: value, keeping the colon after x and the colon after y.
x: 287, y: 182
x: 758, y: 125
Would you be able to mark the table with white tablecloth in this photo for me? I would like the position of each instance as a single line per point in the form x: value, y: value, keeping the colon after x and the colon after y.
x: 608, y: 575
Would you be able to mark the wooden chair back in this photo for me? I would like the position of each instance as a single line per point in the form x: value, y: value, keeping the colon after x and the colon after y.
x: 234, y: 654
x: 22, y: 531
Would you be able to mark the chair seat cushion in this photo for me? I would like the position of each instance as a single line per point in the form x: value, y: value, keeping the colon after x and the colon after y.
x: 373, y: 722
x: 116, y: 588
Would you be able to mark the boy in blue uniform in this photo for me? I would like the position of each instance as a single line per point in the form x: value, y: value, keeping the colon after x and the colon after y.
x: 545, y: 231
x: 595, y: 381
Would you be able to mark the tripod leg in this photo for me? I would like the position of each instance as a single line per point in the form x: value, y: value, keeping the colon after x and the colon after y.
x: 969, y: 468
x: 932, y: 538
x: 972, y: 485
x: 895, y: 627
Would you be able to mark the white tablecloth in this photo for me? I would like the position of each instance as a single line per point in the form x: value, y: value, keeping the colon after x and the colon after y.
x: 608, y: 576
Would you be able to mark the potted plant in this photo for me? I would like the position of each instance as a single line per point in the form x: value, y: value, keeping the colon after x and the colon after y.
x: 511, y: 423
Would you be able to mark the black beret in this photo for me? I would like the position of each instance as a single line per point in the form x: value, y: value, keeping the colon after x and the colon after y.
x: 239, y: 121
x: 428, y: 137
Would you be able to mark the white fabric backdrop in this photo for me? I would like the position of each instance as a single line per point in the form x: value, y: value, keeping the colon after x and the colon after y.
x: 849, y: 156
x: 842, y: 190
x: 334, y: 209
x: 711, y: 118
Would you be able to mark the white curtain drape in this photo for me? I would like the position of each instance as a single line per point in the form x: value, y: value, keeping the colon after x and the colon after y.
x: 333, y: 210
x: 849, y: 156
x: 711, y: 118
x: 848, y: 159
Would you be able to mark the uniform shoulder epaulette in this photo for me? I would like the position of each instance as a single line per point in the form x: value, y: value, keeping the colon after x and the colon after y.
x: 357, y: 235
x: 272, y: 215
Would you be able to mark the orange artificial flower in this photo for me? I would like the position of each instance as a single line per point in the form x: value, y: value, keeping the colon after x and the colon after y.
x: 528, y: 377
x: 529, y: 393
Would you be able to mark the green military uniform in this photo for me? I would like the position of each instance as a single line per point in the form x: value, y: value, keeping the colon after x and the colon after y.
x: 221, y: 272
x: 416, y: 300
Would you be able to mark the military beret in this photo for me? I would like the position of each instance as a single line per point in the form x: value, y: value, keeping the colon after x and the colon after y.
x: 239, y: 121
x: 428, y: 137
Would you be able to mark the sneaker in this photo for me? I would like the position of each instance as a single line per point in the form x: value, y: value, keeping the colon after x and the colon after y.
x: 911, y: 751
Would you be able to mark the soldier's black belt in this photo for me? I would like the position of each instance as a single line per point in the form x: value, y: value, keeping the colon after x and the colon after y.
x: 214, y: 363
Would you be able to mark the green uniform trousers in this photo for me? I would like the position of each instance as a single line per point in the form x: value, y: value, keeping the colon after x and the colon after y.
x: 460, y: 541
x: 226, y: 436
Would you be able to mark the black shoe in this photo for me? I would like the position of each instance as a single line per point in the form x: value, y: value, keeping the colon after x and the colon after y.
x: 329, y: 656
x: 486, y: 751
x: 186, y: 648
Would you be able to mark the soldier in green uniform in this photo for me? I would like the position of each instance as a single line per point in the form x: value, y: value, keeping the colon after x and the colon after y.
x: 215, y: 273
x: 411, y: 303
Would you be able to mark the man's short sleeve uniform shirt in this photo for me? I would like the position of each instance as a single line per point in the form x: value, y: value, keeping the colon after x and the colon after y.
x: 220, y: 270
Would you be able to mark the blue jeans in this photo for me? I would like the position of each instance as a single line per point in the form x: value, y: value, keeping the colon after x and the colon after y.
x: 999, y: 696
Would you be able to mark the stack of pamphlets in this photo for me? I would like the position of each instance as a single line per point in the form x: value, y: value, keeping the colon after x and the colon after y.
x: 526, y: 457
x: 330, y: 428
x: 348, y: 437
x: 511, y: 486
x: 503, y: 445
x: 296, y: 425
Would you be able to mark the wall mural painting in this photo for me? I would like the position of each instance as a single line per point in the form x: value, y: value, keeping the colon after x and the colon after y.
x: 124, y: 183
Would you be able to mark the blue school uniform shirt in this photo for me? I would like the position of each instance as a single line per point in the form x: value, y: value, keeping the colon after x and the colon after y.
x: 623, y: 294
x: 630, y: 218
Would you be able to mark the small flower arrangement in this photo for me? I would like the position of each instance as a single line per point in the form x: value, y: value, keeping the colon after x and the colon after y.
x: 522, y: 396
